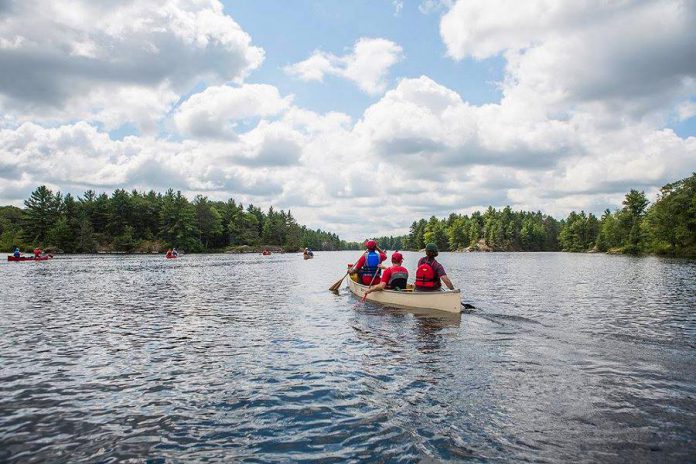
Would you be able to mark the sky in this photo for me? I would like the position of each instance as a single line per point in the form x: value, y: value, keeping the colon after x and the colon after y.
x: 361, y: 116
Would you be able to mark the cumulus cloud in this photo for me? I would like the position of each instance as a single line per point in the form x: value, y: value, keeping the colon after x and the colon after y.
x: 592, y: 56
x: 64, y: 60
x: 367, y: 65
x: 79, y: 156
x: 215, y: 111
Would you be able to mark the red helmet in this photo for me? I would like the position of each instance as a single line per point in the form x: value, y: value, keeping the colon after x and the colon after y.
x: 397, y: 257
x: 371, y: 244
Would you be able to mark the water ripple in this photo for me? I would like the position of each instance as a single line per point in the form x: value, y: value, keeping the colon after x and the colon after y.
x: 566, y: 357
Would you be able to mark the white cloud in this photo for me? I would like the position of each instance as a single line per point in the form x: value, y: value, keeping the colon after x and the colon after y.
x: 573, y: 56
x: 215, y: 111
x: 367, y: 65
x: 107, y: 61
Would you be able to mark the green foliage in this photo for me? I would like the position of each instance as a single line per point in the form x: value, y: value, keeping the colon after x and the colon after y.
x: 125, y: 240
x: 671, y: 221
x: 503, y: 230
x: 579, y: 232
x: 11, y: 235
x: 62, y: 236
x: 42, y: 210
x: 125, y: 221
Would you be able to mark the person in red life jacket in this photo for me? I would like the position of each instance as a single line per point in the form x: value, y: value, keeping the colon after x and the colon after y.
x: 430, y: 274
x: 169, y: 253
x: 394, y: 277
x: 37, y: 252
x: 368, y: 266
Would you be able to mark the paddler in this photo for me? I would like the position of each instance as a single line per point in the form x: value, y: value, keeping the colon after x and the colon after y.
x: 169, y: 253
x: 17, y: 253
x: 175, y: 253
x: 394, y: 277
x: 368, y: 266
x: 37, y: 252
x: 430, y: 274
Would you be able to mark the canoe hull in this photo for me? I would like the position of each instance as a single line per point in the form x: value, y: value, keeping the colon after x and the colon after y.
x: 28, y: 258
x: 448, y: 301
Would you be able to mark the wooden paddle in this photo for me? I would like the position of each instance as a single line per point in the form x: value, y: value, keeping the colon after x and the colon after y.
x: 337, y: 285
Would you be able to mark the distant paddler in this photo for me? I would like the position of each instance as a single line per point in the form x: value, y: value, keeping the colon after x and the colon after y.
x: 37, y: 253
x: 17, y: 253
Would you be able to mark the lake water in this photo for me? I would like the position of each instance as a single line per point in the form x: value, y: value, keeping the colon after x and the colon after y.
x: 567, y: 357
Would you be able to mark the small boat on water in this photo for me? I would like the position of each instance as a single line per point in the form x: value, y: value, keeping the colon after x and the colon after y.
x: 308, y: 256
x: 28, y: 258
x: 266, y: 253
x: 449, y: 301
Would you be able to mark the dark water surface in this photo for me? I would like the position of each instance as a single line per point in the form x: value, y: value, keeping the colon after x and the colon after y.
x: 580, y: 358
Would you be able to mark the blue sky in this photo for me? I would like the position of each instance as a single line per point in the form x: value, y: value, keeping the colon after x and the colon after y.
x: 359, y: 116
x: 290, y: 31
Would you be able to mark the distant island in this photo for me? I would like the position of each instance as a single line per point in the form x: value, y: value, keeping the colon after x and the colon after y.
x: 150, y: 222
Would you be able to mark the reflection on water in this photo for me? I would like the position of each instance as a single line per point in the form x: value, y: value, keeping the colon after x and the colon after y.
x: 566, y: 357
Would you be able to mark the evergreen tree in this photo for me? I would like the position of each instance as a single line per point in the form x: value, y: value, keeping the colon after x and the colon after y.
x: 42, y: 211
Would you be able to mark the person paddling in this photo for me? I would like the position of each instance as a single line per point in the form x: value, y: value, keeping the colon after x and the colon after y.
x: 368, y: 266
x: 175, y: 253
x: 17, y: 253
x: 37, y: 252
x: 169, y: 253
x: 430, y: 274
x: 394, y: 277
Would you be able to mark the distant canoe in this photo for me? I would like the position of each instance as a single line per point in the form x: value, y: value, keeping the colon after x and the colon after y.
x: 449, y: 301
x: 266, y: 253
x: 29, y: 258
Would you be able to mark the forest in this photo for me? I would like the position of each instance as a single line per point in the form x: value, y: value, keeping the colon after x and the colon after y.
x: 147, y: 222
x: 667, y: 226
x: 151, y: 222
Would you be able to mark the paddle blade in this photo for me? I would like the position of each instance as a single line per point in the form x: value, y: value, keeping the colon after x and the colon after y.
x: 337, y: 285
x: 364, y: 298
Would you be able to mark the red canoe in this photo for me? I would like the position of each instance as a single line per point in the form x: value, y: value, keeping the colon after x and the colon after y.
x: 29, y: 258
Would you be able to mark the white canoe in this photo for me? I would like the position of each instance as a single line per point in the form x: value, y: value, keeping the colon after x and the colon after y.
x: 443, y: 301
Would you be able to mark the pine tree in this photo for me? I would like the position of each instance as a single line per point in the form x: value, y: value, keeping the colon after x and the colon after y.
x: 42, y: 210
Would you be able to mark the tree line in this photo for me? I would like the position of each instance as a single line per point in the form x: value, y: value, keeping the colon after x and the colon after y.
x: 134, y: 221
x: 667, y: 226
x: 151, y: 221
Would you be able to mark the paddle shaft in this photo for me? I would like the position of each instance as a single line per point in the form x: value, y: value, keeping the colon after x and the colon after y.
x: 368, y: 287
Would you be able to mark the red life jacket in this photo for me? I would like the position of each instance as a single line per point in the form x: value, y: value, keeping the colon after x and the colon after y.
x: 398, y: 277
x: 425, y: 276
